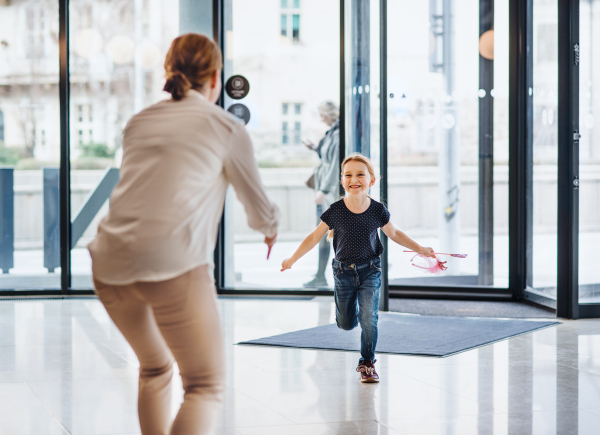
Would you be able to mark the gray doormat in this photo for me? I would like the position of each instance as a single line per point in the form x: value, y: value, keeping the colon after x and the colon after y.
x: 410, y: 334
x: 439, y: 307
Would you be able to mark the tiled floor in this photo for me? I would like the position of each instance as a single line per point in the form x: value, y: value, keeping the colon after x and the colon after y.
x: 65, y: 369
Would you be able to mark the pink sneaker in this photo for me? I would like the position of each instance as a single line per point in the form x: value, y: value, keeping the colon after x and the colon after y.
x: 367, y: 371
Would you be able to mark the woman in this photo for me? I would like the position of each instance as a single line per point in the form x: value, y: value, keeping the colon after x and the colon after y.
x: 153, y: 256
x: 327, y: 180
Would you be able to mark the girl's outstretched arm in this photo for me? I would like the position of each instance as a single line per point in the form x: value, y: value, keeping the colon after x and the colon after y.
x: 308, y: 243
x: 402, y: 239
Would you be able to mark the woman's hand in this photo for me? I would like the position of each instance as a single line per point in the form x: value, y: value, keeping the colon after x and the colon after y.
x: 319, y: 197
x: 428, y: 252
x: 308, y: 144
x: 287, y: 264
x: 270, y: 241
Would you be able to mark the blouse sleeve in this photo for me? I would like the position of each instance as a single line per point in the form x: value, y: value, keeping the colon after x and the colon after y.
x: 327, y: 217
x: 385, y: 216
x: 241, y: 171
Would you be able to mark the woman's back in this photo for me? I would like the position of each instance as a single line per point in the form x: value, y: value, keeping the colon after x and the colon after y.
x: 178, y: 159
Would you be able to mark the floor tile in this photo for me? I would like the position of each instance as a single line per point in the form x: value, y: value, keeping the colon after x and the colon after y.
x: 346, y: 428
x: 239, y: 410
x: 50, y: 362
x: 92, y: 407
x: 335, y: 396
x: 22, y: 413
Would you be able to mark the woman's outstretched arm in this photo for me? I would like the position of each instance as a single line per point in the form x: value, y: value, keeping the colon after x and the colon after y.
x: 402, y: 239
x: 308, y: 243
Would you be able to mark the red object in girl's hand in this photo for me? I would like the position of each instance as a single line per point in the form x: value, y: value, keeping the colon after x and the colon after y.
x: 431, y: 265
x: 269, y: 252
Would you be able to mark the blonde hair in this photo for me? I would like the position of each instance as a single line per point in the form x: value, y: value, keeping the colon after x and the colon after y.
x: 190, y: 63
x: 355, y: 157
x: 358, y: 157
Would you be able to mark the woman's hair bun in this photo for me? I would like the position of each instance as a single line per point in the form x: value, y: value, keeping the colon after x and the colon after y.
x: 177, y: 85
x: 190, y: 63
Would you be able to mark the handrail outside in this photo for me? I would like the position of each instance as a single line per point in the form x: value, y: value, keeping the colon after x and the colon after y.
x: 93, y: 203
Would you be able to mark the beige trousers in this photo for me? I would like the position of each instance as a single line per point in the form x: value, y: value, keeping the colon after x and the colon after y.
x: 173, y: 319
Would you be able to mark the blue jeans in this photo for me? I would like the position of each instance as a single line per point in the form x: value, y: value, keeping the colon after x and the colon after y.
x: 356, y: 296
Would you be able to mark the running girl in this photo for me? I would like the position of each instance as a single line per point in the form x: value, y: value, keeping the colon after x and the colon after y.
x: 354, y: 221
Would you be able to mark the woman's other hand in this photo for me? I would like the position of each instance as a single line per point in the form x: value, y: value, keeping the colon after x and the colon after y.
x: 319, y: 197
x: 428, y: 252
x: 287, y: 264
x: 270, y: 241
x: 308, y: 144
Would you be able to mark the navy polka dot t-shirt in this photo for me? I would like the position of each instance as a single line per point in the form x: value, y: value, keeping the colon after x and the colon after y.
x: 355, y: 236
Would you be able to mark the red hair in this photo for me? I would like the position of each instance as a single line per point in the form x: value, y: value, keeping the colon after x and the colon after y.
x: 190, y: 63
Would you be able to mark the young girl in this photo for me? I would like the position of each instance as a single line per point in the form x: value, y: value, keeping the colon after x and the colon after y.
x: 354, y: 221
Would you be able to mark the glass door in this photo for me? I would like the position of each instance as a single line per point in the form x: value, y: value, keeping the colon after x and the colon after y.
x: 117, y: 53
x: 589, y: 151
x: 542, y: 242
x: 282, y: 79
x: 29, y: 146
x: 448, y: 139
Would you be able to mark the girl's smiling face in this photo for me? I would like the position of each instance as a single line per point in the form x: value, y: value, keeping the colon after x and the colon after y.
x: 356, y: 178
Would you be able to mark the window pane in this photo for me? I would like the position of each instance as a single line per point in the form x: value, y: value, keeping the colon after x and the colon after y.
x: 29, y: 144
x: 297, y: 130
x: 104, y: 40
x: 545, y: 146
x: 296, y: 3
x: 283, y: 25
x: 284, y: 4
x: 436, y: 155
x: 296, y: 27
x: 284, y: 129
x: 589, y: 152
x: 283, y: 100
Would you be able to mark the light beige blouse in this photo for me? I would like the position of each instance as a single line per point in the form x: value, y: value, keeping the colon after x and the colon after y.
x: 178, y: 159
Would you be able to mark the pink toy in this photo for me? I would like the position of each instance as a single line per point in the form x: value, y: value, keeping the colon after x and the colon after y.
x: 431, y: 265
x: 451, y: 255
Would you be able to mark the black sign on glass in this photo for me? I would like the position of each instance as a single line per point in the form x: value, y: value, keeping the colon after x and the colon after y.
x: 240, y: 111
x: 237, y: 87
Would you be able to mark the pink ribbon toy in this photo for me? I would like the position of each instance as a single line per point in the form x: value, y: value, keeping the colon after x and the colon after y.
x: 432, y: 265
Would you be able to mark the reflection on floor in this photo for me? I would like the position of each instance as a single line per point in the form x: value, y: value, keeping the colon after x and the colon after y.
x: 65, y: 369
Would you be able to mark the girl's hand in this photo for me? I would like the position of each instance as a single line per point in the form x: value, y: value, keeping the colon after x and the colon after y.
x: 287, y: 264
x: 428, y: 252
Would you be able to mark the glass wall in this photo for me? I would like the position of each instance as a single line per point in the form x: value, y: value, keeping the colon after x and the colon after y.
x: 543, y: 264
x: 589, y: 151
x: 292, y: 64
x: 448, y: 138
x: 116, y: 57
x: 29, y: 145
x: 447, y: 129
x: 362, y: 82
